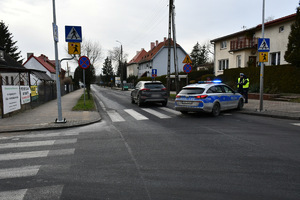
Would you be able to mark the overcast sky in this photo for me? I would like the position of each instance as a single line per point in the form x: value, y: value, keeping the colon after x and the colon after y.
x: 135, y: 23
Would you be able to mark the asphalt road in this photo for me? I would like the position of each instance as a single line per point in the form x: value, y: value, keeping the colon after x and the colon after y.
x: 154, y: 152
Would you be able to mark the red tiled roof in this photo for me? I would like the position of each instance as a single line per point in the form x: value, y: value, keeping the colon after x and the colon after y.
x: 138, y: 57
x: 149, y: 56
x: 44, y: 61
x: 279, y: 20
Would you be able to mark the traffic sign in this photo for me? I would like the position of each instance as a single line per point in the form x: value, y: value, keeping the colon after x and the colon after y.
x: 187, y: 68
x: 263, y: 56
x: 263, y: 44
x: 73, y: 33
x: 74, y: 48
x: 154, y: 72
x: 187, y: 59
x: 84, y: 62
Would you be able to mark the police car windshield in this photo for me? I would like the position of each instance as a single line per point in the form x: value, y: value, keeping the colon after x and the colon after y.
x: 192, y: 91
x: 154, y: 85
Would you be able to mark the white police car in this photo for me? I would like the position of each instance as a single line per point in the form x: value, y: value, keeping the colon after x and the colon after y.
x: 208, y: 96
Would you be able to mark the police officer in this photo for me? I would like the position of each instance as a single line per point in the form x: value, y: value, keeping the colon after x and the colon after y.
x: 243, y: 86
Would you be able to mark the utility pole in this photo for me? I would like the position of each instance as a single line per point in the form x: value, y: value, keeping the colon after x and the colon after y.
x: 169, y: 48
x: 261, y: 88
x: 175, y: 51
x: 172, y: 24
x: 121, y: 64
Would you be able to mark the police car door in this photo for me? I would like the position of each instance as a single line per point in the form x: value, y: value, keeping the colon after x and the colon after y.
x: 231, y: 98
x: 221, y: 96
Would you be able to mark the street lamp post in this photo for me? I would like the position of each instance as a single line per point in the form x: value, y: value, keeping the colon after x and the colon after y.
x: 121, y: 63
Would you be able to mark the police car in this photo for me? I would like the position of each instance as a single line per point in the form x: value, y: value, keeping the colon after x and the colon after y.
x: 208, y: 96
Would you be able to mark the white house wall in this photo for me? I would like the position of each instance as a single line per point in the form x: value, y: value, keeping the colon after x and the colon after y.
x: 160, y: 62
x: 34, y: 64
x: 278, y: 43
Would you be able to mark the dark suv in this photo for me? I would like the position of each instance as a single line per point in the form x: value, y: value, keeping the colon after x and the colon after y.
x: 149, y: 91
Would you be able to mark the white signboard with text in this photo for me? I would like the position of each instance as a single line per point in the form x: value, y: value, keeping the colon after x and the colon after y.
x: 25, y: 94
x: 11, y: 98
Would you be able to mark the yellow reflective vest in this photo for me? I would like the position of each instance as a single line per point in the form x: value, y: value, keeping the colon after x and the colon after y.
x: 244, y: 85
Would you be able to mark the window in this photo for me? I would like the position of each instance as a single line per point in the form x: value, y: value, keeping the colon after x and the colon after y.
x: 6, y: 80
x: 215, y: 89
x: 275, y: 58
x: 223, y: 64
x: 238, y: 61
x: 12, y: 80
x: 281, y: 29
x: 223, y: 44
x: 227, y: 89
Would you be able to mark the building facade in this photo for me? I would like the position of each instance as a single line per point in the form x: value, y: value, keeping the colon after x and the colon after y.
x: 239, y: 50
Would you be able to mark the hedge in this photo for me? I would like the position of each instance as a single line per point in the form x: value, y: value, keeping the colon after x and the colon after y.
x: 277, y: 79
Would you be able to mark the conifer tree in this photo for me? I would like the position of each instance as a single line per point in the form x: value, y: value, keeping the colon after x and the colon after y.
x: 107, y: 69
x: 292, y: 55
x: 6, y: 41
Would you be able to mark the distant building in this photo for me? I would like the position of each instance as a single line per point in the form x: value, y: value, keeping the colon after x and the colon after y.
x: 156, y: 58
x: 239, y: 50
x: 42, y: 63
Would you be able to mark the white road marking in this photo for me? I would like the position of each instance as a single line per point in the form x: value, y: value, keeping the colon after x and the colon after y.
x: 135, y: 114
x: 296, y: 124
x: 19, y: 172
x: 170, y: 110
x: 35, y: 154
x: 157, y: 114
x: 114, y: 116
x: 13, y: 195
x: 37, y: 143
x: 41, y: 135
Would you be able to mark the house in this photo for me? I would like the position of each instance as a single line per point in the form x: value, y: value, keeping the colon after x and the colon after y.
x: 157, y: 58
x: 239, y: 50
x: 133, y: 64
x: 41, y: 63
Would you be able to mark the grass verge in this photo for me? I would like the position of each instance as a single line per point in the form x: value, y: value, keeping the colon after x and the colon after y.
x: 88, y: 106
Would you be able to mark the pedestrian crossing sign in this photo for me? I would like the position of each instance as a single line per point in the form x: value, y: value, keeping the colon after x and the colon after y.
x: 187, y: 59
x: 263, y: 44
x: 74, y: 48
x: 73, y: 33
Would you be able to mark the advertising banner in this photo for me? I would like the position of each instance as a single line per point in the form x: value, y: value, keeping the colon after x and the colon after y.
x: 11, y: 98
x: 25, y: 94
x: 34, y: 92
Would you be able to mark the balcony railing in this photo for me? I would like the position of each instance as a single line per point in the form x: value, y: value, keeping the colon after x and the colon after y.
x: 243, y: 43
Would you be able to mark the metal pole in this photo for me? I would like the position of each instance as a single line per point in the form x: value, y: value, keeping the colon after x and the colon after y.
x: 83, y: 85
x: 261, y: 96
x: 59, y: 110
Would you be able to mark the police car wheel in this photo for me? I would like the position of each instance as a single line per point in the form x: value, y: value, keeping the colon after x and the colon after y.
x: 216, y: 110
x: 132, y: 100
x: 139, y: 103
x: 240, y: 104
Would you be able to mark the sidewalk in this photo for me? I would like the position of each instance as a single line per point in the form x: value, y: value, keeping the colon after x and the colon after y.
x: 277, y: 109
x: 44, y: 116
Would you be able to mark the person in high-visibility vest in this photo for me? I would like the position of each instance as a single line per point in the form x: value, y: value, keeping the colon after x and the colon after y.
x: 243, y: 86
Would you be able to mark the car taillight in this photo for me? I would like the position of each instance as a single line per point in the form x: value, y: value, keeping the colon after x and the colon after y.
x: 177, y: 96
x: 201, y: 96
x: 145, y: 89
x: 163, y: 89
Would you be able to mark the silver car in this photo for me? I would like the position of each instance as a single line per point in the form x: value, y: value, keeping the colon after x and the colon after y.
x: 149, y: 91
x: 208, y: 97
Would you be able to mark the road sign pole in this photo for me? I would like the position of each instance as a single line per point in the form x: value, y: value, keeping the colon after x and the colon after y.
x: 83, y: 85
x: 261, y: 99
x: 59, y: 110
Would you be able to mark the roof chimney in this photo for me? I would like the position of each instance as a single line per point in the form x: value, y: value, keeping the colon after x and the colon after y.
x: 152, y: 45
x: 29, y: 54
x: 156, y: 42
x: 165, y: 39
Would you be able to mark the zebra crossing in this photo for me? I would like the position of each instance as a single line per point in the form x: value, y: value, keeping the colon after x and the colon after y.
x: 29, y: 149
x: 160, y: 112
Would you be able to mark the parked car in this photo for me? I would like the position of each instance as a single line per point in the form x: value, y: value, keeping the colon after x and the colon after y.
x: 211, y: 97
x: 149, y: 91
